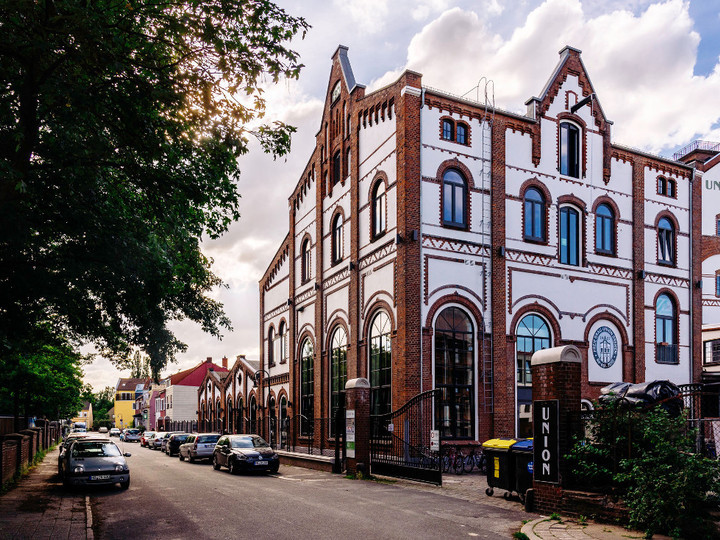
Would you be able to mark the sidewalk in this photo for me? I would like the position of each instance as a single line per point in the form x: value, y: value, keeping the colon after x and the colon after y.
x: 545, y: 528
x: 39, y: 507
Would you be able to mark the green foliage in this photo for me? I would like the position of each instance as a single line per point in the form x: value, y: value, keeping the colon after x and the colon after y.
x: 520, y: 536
x: 647, y: 458
x: 44, y: 379
x: 120, y: 127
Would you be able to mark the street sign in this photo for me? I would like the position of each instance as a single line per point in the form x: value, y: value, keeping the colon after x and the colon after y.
x: 350, y: 433
x: 435, y: 440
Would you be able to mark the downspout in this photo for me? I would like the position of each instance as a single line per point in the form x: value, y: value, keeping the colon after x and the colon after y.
x: 422, y: 104
x: 692, y: 282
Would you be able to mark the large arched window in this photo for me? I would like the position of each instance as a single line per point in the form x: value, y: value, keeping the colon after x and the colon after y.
x: 283, y: 342
x: 307, y: 387
x: 284, y: 422
x: 306, y: 260
x: 272, y: 422
x: 338, y: 373
x: 666, y: 330
x: 569, y: 150
x: 380, y: 364
x: 271, y: 346
x: 230, y: 416
x: 454, y: 197
x: 569, y: 236
x: 533, y: 334
x: 534, y: 226
x: 379, y: 221
x: 240, y: 416
x: 605, y: 230
x: 454, y: 374
x: 337, y: 239
x: 253, y: 415
x: 666, y: 241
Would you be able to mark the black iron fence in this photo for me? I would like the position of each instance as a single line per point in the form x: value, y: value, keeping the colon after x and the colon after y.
x: 187, y: 426
x: 312, y: 435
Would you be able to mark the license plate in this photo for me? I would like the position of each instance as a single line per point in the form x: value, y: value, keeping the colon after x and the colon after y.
x: 100, y: 477
x: 260, y: 463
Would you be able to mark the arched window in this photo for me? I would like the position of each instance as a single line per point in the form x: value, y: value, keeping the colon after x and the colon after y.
x: 447, y: 130
x: 380, y: 364
x: 337, y: 239
x: 461, y: 134
x: 229, y: 415
x: 569, y: 236
x: 348, y: 155
x: 604, y: 230
x: 666, y: 241
x: 272, y: 422
x: 271, y: 346
x: 338, y: 373
x: 569, y: 150
x: 306, y: 261
x: 253, y: 415
x: 218, y: 416
x: 533, y: 334
x: 454, y: 374
x: 284, y: 422
x: 336, y: 168
x: 307, y: 387
x: 454, y: 198
x: 240, y: 415
x: 378, y: 209
x: 283, y: 343
x: 665, y: 330
x: 534, y: 226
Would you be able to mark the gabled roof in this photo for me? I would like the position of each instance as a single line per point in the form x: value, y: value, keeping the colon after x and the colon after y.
x: 129, y: 385
x: 195, y: 375
x: 346, y: 68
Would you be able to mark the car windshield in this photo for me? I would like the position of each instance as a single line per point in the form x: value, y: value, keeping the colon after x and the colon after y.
x: 180, y: 438
x: 208, y: 438
x: 95, y: 449
x: 248, y: 442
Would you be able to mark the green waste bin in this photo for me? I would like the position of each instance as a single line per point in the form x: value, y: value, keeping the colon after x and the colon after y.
x: 522, y: 453
x: 500, y: 465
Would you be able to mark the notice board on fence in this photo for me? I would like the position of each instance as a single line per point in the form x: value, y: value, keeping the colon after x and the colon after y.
x: 546, y: 436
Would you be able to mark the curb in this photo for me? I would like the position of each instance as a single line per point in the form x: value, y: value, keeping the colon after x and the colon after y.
x: 88, y: 519
x: 530, y: 525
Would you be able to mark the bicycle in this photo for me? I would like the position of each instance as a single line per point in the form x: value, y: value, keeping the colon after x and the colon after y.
x: 452, y: 459
x: 475, y: 459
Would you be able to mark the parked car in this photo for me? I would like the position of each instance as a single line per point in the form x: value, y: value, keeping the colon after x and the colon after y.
x: 145, y: 436
x: 244, y: 453
x: 102, y: 429
x: 165, y: 439
x: 95, y: 460
x: 198, y: 446
x: 155, y: 441
x: 67, y: 441
x: 79, y: 430
x: 172, y: 447
x: 114, y: 432
x: 130, y: 435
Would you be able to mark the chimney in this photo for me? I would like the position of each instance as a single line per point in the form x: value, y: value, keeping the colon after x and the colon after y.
x: 224, y: 362
x: 209, y: 360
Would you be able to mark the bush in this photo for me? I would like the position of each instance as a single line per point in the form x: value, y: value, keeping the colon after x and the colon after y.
x: 647, y: 458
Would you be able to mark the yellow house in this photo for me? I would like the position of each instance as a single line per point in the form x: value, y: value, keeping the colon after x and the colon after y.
x: 85, y: 416
x: 126, y: 391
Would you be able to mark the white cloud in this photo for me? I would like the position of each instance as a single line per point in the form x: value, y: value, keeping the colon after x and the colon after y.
x: 370, y: 15
x: 641, y: 65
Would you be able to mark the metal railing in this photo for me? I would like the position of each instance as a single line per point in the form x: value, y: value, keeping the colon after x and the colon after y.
x: 696, y: 145
x: 666, y: 354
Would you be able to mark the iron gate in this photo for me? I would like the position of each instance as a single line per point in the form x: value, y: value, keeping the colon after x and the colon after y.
x: 400, y: 441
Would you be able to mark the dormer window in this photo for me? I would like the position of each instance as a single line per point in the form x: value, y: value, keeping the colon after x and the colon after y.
x: 569, y: 150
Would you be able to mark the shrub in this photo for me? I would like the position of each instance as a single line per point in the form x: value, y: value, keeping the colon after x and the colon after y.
x: 647, y: 458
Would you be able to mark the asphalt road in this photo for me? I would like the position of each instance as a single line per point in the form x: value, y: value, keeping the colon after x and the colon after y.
x: 173, y: 499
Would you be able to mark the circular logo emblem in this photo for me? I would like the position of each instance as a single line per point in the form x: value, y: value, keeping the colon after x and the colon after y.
x: 604, y: 347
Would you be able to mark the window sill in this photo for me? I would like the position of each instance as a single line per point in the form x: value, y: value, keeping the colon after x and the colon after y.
x: 455, y: 226
x: 669, y: 264
x: 606, y: 254
x: 533, y: 240
x: 377, y: 236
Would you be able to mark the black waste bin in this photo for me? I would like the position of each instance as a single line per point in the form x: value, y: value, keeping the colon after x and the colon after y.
x: 500, y: 465
x: 522, y: 453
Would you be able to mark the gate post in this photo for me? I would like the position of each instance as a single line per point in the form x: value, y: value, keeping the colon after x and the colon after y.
x: 357, y: 403
x: 556, y: 384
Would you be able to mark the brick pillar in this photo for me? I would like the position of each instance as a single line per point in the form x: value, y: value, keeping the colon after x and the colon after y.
x: 357, y: 400
x: 556, y: 376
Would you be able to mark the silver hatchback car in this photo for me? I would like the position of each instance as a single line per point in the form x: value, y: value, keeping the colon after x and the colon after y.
x: 91, y: 461
x: 198, y: 446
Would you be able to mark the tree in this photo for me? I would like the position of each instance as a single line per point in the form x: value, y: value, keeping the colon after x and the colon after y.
x: 121, y: 122
x: 45, y: 380
x: 139, y: 366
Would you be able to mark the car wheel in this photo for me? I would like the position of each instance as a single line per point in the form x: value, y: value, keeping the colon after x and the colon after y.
x: 275, y: 468
x: 191, y: 459
x: 125, y: 485
x: 180, y: 457
x: 215, y: 463
x: 233, y: 468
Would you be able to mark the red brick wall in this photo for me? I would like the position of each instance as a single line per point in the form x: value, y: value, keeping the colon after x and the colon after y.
x: 8, y: 459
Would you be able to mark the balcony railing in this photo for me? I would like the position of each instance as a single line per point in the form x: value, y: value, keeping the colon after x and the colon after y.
x: 666, y: 353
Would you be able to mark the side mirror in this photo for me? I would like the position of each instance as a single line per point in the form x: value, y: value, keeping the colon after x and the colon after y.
x: 127, y: 454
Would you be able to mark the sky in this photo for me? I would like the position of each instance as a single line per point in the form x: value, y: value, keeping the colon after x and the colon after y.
x: 655, y: 67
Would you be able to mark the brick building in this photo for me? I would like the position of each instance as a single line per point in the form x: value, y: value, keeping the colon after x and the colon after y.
x: 437, y: 242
